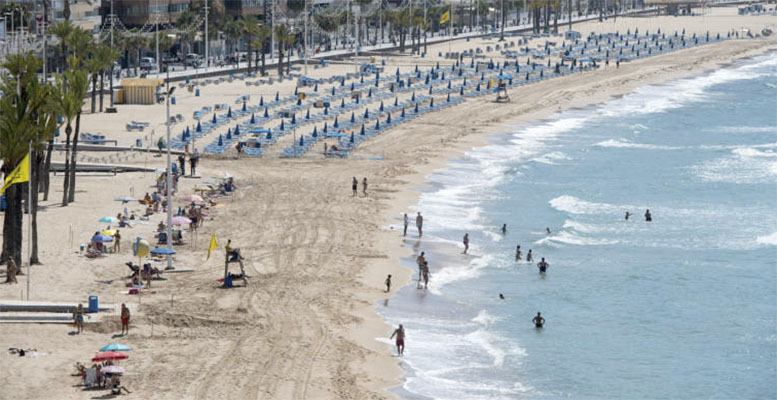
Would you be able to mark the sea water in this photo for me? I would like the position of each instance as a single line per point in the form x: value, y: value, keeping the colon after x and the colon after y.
x: 683, y: 307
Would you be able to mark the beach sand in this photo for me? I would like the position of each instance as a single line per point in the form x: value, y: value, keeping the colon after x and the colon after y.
x: 305, y: 327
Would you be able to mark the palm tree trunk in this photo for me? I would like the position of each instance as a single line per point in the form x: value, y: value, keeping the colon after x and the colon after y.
x: 102, y: 85
x: 35, y: 181
x: 12, y: 224
x: 280, y: 60
x: 72, y: 190
x: 46, y: 169
x: 66, y: 184
x: 263, y: 61
x: 249, y: 54
x: 94, y: 92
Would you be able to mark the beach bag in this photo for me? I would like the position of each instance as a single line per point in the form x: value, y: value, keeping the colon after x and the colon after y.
x: 133, y: 291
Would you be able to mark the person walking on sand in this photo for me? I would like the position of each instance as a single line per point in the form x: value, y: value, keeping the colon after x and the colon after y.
x: 529, y: 257
x: 78, y: 317
x: 364, y: 186
x: 419, y: 223
x: 400, y: 334
x: 388, y: 283
x: 182, y: 163
x: 518, y: 253
x: 407, y: 221
x: 117, y: 241
x: 538, y: 321
x: 426, y: 275
x: 355, y: 186
x: 466, y: 243
x: 125, y: 317
x: 11, y: 271
x: 420, y: 260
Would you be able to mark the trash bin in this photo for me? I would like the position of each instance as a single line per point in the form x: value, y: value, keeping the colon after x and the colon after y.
x: 188, y: 80
x: 93, y: 304
x: 172, y: 100
x: 197, y: 93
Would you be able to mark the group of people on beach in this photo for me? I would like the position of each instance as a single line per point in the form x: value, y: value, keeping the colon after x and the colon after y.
x: 419, y: 223
x: 355, y: 187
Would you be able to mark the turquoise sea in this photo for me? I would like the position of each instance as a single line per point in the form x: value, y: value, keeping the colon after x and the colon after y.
x: 683, y: 307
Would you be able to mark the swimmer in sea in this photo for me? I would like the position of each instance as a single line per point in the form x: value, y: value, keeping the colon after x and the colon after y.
x: 518, y: 253
x: 501, y: 296
x: 648, y: 217
x: 543, y: 266
x: 628, y: 214
x: 539, y: 321
x: 504, y: 229
x: 529, y: 257
x: 547, y: 230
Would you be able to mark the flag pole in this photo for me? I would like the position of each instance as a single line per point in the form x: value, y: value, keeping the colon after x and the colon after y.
x: 29, y: 220
x: 450, y: 25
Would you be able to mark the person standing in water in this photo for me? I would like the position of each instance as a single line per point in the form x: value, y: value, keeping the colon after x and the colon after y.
x: 504, y: 229
x: 466, y: 243
x: 538, y: 321
x: 543, y: 266
x: 400, y: 334
x: 628, y: 214
x: 648, y: 217
x: 419, y: 223
x: 420, y: 260
x: 547, y: 230
x: 407, y: 221
x: 426, y: 275
x: 529, y: 257
x: 518, y: 253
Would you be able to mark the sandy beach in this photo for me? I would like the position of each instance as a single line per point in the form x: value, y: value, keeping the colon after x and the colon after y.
x: 305, y: 327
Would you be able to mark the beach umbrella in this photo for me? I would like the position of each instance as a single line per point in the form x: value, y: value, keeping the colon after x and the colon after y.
x: 361, y: 132
x: 336, y: 124
x: 165, y: 251
x: 315, y: 87
x: 244, y: 106
x: 449, y: 84
x: 214, y: 118
x: 187, y: 131
x: 461, y: 91
x: 269, y: 135
x: 293, y: 119
x: 237, y: 130
x: 430, y: 90
x: 326, y: 110
x: 266, y: 113
x: 377, y: 124
x: 112, y: 369
x: 199, y: 127
x: 427, y: 79
x: 357, y: 99
x: 333, y: 90
x: 342, y: 103
x: 431, y: 103
x: 416, y: 108
x: 116, y: 347
x: 403, y: 113
x: 229, y: 133
x: 342, y: 82
x: 396, y: 101
x: 229, y: 112
x: 478, y: 88
x: 277, y: 97
x: 109, y: 220
x: 110, y: 355
x: 101, y: 238
x: 299, y: 102
x: 352, y: 138
x: 301, y: 141
x: 178, y: 221
x: 388, y: 119
x: 353, y: 118
x: 381, y: 106
x: 315, y: 131
x: 325, y: 128
x: 397, y: 71
x: 109, y: 232
x: 413, y: 98
x: 366, y: 113
x: 221, y: 141
x: 352, y: 86
x: 307, y: 115
x: 261, y: 101
x: 124, y: 199
x: 282, y: 126
x: 193, y: 198
x: 361, y: 79
x: 369, y: 93
x: 296, y: 92
x: 449, y: 98
x: 377, y: 82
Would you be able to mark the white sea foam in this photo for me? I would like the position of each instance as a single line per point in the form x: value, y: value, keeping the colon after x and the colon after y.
x: 574, y: 205
x: 767, y: 239
x: 747, y: 129
x: 455, y: 273
x: 566, y: 237
x: 622, y: 143
x: 551, y: 158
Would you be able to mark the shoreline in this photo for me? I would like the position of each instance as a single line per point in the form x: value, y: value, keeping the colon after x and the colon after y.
x: 411, y: 190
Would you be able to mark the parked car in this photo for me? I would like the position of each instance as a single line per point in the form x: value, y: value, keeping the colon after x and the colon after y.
x: 147, y: 64
x: 193, y: 60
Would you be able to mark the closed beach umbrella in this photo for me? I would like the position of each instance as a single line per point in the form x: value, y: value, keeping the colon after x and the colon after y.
x: 361, y: 132
x: 237, y: 130
x: 266, y: 113
x: 282, y: 126
x: 381, y: 106
x: 315, y: 87
x: 229, y: 133
x: 325, y: 127
x: 116, y: 347
x: 229, y: 112
x: 293, y: 119
x: 301, y: 141
x: 307, y: 115
x: 388, y: 119
x: 214, y: 118
x: 163, y: 251
x: 336, y: 124
x: 353, y: 117
x: 377, y: 124
x: 199, y: 127
x: 396, y: 101
x: 315, y: 131
x: 366, y: 113
x: 276, y: 96
x: 352, y: 137
x: 261, y: 101
x: 221, y: 140
x: 244, y: 106
x: 369, y: 92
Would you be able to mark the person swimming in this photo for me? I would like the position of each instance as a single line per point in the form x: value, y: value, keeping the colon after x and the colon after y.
x: 504, y: 229
x: 538, y: 321
x: 529, y: 256
x: 543, y: 266
x: 518, y: 253
x: 547, y: 230
x: 501, y: 296
x: 648, y: 217
x: 628, y: 214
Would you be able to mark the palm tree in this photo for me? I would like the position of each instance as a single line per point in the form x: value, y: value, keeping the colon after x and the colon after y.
x: 62, y: 31
x: 262, y: 42
x: 186, y: 30
x: 105, y: 57
x: 71, y: 87
x: 134, y: 44
x: 26, y: 118
x: 233, y: 32
x: 284, y: 38
x: 250, y: 27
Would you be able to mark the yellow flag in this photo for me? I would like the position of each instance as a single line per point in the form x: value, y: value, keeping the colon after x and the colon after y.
x: 20, y: 174
x: 445, y: 17
x: 213, y: 245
